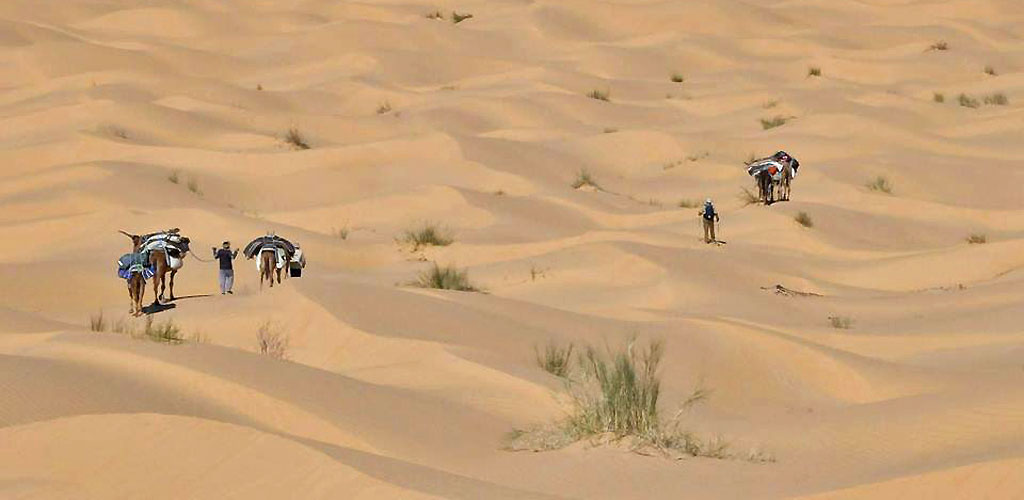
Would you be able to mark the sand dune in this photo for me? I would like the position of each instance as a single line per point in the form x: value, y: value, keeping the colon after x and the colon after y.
x: 123, y: 116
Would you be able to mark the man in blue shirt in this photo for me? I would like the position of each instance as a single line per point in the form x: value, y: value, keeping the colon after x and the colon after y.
x: 226, y: 274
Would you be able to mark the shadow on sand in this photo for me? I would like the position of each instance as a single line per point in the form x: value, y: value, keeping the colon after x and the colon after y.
x: 157, y: 308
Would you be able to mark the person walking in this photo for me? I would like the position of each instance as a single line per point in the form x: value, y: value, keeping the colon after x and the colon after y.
x: 226, y: 274
x: 709, y: 217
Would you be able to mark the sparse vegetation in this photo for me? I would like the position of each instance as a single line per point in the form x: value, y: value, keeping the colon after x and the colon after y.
x: 429, y: 234
x: 296, y: 139
x: 813, y: 71
x: 997, y: 99
x: 977, y: 239
x: 989, y: 70
x: 270, y: 341
x: 688, y: 203
x: 193, y: 186
x: 880, y: 183
x: 803, y: 219
x: 840, y: 322
x: 98, y: 323
x: 939, y: 97
x: 677, y: 78
x: 698, y: 156
x: 610, y: 130
x: 748, y: 197
x: 458, y: 18
x: 259, y: 86
x: 499, y: 192
x: 384, y: 107
x: 614, y: 397
x: 167, y: 331
x: 940, y: 45
x: 445, y: 278
x: 775, y: 121
x: 584, y: 179
x: 770, y: 104
x: 555, y: 359
x: 435, y: 15
x: 600, y: 95
x: 968, y: 101
x: 117, y: 131
x: 174, y: 177
x: 342, y: 232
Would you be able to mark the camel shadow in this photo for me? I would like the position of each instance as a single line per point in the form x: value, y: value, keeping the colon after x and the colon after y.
x: 197, y: 296
x: 157, y: 308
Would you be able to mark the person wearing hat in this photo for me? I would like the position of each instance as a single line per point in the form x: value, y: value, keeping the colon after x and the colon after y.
x: 226, y: 274
x: 709, y: 216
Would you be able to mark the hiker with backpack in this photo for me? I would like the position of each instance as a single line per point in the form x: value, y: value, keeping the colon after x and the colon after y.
x: 709, y: 216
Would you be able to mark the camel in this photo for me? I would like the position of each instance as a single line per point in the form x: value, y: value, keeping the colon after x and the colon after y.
x: 158, y: 260
x: 785, y: 183
x: 136, y: 290
x: 765, y: 187
x: 268, y: 265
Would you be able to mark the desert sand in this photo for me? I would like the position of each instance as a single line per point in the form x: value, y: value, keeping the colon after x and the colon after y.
x: 391, y: 391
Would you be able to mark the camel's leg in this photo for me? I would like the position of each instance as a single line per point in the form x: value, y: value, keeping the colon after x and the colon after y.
x: 156, y: 283
x: 173, y: 272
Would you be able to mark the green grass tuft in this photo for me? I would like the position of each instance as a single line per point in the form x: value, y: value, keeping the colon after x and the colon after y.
x: 445, y: 278
x: 429, y: 234
x: 555, y: 359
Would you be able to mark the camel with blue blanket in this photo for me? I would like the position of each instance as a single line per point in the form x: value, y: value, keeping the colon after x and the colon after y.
x: 166, y: 251
x: 135, y: 269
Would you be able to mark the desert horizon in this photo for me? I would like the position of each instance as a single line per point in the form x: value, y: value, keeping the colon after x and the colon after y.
x: 508, y: 291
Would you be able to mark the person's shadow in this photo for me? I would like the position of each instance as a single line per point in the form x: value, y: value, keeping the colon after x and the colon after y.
x: 197, y: 296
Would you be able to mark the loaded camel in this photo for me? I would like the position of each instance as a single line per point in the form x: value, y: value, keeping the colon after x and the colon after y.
x: 166, y: 250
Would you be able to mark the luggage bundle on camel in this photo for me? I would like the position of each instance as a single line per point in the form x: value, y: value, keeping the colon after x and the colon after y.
x: 773, y: 173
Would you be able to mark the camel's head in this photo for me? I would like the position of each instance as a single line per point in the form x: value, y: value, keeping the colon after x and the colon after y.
x: 136, y: 240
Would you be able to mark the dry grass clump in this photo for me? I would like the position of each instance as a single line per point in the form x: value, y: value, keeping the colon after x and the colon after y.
x: 458, y: 18
x: 677, y: 78
x: 98, y: 323
x: 688, y: 203
x: 997, y: 99
x: 445, y: 278
x: 193, y: 186
x: 813, y: 71
x: 384, y: 107
x: 748, y: 197
x: 840, y: 322
x: 770, y: 104
x: 775, y: 121
x: 166, y: 332
x: 584, y: 179
x: 296, y: 139
x: 555, y: 359
x: 429, y: 234
x: 803, y: 219
x: 270, y: 341
x: 989, y: 70
x: 968, y: 101
x: 174, y: 177
x: 940, y: 45
x: 977, y: 239
x: 614, y: 397
x: 600, y: 95
x: 435, y: 15
x: 939, y: 97
x: 342, y: 232
x: 880, y: 184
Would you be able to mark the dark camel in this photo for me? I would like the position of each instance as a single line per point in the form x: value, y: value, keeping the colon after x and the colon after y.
x: 268, y: 265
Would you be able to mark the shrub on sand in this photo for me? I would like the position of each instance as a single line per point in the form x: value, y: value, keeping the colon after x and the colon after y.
x: 555, y: 359
x: 445, y: 278
x: 813, y: 71
x: 977, y: 239
x: 677, y: 78
x: 997, y: 99
x: 881, y: 184
x: 98, y: 323
x: 600, y: 95
x: 775, y: 121
x: 940, y: 45
x: 803, y: 219
x: 968, y: 101
x: 295, y: 138
x: 840, y: 322
x: 688, y: 203
x: 458, y: 18
x: 167, y: 331
x: 939, y: 97
x: 584, y: 179
x: 270, y: 341
x: 429, y: 234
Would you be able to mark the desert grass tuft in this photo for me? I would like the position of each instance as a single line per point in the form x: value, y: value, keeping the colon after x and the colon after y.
x: 174, y: 177
x: 584, y: 179
x: 840, y: 322
x: 296, y: 139
x: 997, y: 99
x: 193, y: 186
x: 989, y: 70
x: 445, y: 278
x: 677, y: 78
x: 968, y: 101
x: 940, y: 45
x: 342, y: 232
x: 880, y: 184
x: 688, y: 203
x: 615, y: 398
x: 600, y: 95
x: 555, y: 359
x: 98, y: 323
x: 813, y: 71
x: 271, y: 341
x: 166, y: 332
x: 939, y: 97
x: 803, y: 219
x: 458, y: 18
x: 384, y: 107
x: 977, y: 239
x: 748, y: 197
x: 435, y: 15
x: 775, y: 121
x: 428, y: 234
